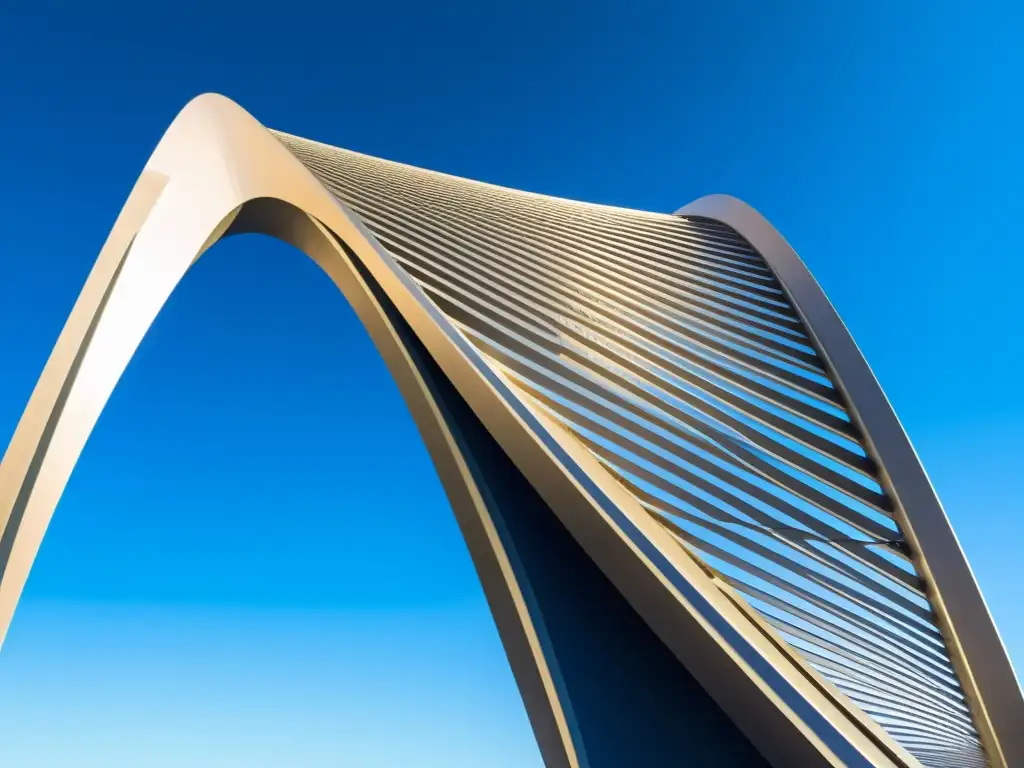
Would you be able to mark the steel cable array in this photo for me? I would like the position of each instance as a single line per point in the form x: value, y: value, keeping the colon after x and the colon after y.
x: 666, y: 345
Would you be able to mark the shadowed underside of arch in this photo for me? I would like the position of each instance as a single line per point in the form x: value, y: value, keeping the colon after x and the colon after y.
x: 704, y: 536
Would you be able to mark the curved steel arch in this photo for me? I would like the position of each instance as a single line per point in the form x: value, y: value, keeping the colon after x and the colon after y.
x: 628, y: 647
x: 990, y: 682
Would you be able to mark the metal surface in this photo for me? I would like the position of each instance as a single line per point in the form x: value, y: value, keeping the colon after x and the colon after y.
x: 692, y: 545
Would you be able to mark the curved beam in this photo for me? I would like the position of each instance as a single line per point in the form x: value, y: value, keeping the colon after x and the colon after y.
x: 575, y: 570
x: 976, y: 649
x: 177, y: 210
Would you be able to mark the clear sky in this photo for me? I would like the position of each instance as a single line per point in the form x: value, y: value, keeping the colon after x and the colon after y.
x: 254, y: 563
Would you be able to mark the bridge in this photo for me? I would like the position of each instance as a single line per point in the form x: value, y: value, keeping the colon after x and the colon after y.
x: 702, y: 532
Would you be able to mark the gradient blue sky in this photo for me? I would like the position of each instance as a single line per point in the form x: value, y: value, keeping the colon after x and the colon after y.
x: 254, y: 564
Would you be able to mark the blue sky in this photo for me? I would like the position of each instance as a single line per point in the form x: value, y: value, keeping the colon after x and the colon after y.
x: 254, y: 563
